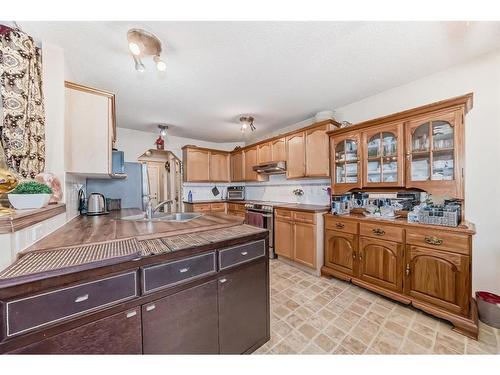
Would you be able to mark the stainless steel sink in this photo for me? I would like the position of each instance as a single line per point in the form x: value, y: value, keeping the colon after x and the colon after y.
x: 162, y: 216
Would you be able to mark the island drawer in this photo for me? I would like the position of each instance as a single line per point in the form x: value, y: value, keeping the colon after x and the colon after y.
x: 180, y: 271
x: 385, y: 232
x: 346, y: 226
x: 29, y: 313
x: 233, y: 256
x: 439, y: 239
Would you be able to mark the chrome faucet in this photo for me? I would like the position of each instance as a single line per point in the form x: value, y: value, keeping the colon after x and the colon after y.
x: 150, y: 210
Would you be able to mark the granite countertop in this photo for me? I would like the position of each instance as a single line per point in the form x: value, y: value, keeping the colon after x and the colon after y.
x: 282, y: 205
x: 91, y: 229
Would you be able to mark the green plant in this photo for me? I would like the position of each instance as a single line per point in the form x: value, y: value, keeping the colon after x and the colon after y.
x: 31, y: 187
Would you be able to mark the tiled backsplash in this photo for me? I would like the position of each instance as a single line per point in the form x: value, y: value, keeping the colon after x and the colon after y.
x: 277, y: 189
x: 73, y: 184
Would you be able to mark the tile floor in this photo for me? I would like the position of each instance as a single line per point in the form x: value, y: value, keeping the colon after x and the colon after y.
x: 313, y: 315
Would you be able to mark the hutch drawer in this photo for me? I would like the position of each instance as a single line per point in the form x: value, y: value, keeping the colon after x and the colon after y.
x: 169, y: 274
x: 29, y: 313
x: 386, y: 232
x: 440, y: 240
x: 346, y: 226
x: 233, y: 256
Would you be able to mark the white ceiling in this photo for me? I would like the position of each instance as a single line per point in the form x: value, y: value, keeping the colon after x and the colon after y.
x: 280, y: 72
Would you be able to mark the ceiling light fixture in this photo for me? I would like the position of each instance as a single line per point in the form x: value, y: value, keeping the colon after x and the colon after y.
x: 246, y: 123
x: 163, y: 130
x: 142, y: 43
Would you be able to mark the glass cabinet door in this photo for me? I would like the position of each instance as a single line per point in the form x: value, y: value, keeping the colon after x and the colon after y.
x: 432, y: 151
x: 382, y: 157
x: 346, y: 162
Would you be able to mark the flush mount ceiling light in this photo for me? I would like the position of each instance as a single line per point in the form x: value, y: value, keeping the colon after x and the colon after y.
x: 142, y: 43
x: 246, y: 123
x: 163, y: 130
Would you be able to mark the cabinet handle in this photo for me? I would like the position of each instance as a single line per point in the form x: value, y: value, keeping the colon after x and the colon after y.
x: 339, y: 225
x: 244, y: 252
x: 360, y: 256
x: 353, y: 255
x: 183, y: 270
x: 378, y: 231
x: 222, y: 281
x: 150, y: 307
x: 130, y: 314
x: 82, y: 298
x: 408, y: 269
x: 431, y: 240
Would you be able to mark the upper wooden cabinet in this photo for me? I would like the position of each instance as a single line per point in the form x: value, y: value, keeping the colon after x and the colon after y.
x: 237, y: 167
x: 219, y: 166
x: 278, y: 147
x: 264, y: 153
x: 90, y: 125
x: 295, y: 150
x: 317, y: 149
x: 250, y: 160
x: 382, y: 156
x: 196, y: 164
x: 346, y: 162
x: 421, y: 148
x: 435, y: 148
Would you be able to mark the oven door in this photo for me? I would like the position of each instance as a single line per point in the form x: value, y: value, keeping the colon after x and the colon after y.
x: 262, y: 220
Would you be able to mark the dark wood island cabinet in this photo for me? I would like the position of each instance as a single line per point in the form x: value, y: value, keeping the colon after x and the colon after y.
x: 206, y: 299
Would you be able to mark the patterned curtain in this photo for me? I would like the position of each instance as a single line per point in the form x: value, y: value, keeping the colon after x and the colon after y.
x: 23, y: 117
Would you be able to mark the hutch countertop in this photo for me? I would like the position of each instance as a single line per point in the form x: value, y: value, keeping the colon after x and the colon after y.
x: 21, y: 219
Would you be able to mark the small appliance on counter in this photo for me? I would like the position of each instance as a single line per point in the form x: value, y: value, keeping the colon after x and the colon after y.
x: 96, y: 205
x: 235, y: 193
x: 341, y: 204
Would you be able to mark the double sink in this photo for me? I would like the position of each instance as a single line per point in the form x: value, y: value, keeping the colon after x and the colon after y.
x: 162, y: 216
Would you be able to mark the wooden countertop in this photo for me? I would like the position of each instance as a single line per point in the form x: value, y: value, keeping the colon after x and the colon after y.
x: 21, y: 219
x: 464, y: 227
x: 92, y: 229
x: 282, y: 205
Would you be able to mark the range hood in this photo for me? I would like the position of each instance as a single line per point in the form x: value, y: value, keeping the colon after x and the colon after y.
x: 275, y: 167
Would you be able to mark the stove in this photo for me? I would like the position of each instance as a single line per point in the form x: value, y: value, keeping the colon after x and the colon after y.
x: 261, y: 214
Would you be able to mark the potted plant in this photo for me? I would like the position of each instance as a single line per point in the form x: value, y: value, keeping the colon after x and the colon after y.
x: 30, y: 195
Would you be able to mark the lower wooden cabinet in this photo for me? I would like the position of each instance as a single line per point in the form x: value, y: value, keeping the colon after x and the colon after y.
x: 304, y: 243
x: 243, y: 306
x: 439, y: 278
x: 205, y: 207
x: 283, y: 237
x: 424, y: 267
x: 340, y: 251
x: 381, y: 263
x: 183, y: 323
x: 116, y: 334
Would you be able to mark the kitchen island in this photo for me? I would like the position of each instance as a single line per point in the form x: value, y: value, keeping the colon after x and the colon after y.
x: 106, y: 285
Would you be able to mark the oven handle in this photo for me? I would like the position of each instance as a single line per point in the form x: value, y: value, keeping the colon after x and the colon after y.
x: 263, y: 215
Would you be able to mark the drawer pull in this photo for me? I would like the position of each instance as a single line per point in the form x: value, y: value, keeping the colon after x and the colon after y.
x: 244, y: 253
x: 431, y: 240
x: 353, y: 255
x: 130, y: 314
x: 222, y: 281
x: 378, y: 231
x: 183, y: 270
x: 339, y: 225
x: 82, y: 298
x: 150, y: 307
x: 360, y: 256
x: 408, y: 269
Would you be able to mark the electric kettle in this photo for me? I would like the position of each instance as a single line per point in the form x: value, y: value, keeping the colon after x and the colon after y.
x: 96, y: 204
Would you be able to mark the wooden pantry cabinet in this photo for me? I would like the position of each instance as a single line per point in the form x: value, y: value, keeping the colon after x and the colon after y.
x: 296, y: 235
x: 406, y: 262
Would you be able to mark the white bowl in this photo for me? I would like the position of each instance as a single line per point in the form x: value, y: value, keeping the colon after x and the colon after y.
x: 29, y: 201
x: 324, y: 115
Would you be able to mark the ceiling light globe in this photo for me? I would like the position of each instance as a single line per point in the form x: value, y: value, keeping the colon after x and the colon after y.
x: 139, y: 66
x: 134, y: 48
x: 161, y: 66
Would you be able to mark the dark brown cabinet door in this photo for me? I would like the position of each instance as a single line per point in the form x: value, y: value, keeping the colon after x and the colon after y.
x: 438, y: 278
x: 116, y: 334
x: 340, y: 252
x: 183, y: 323
x: 243, y: 309
x: 381, y: 263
